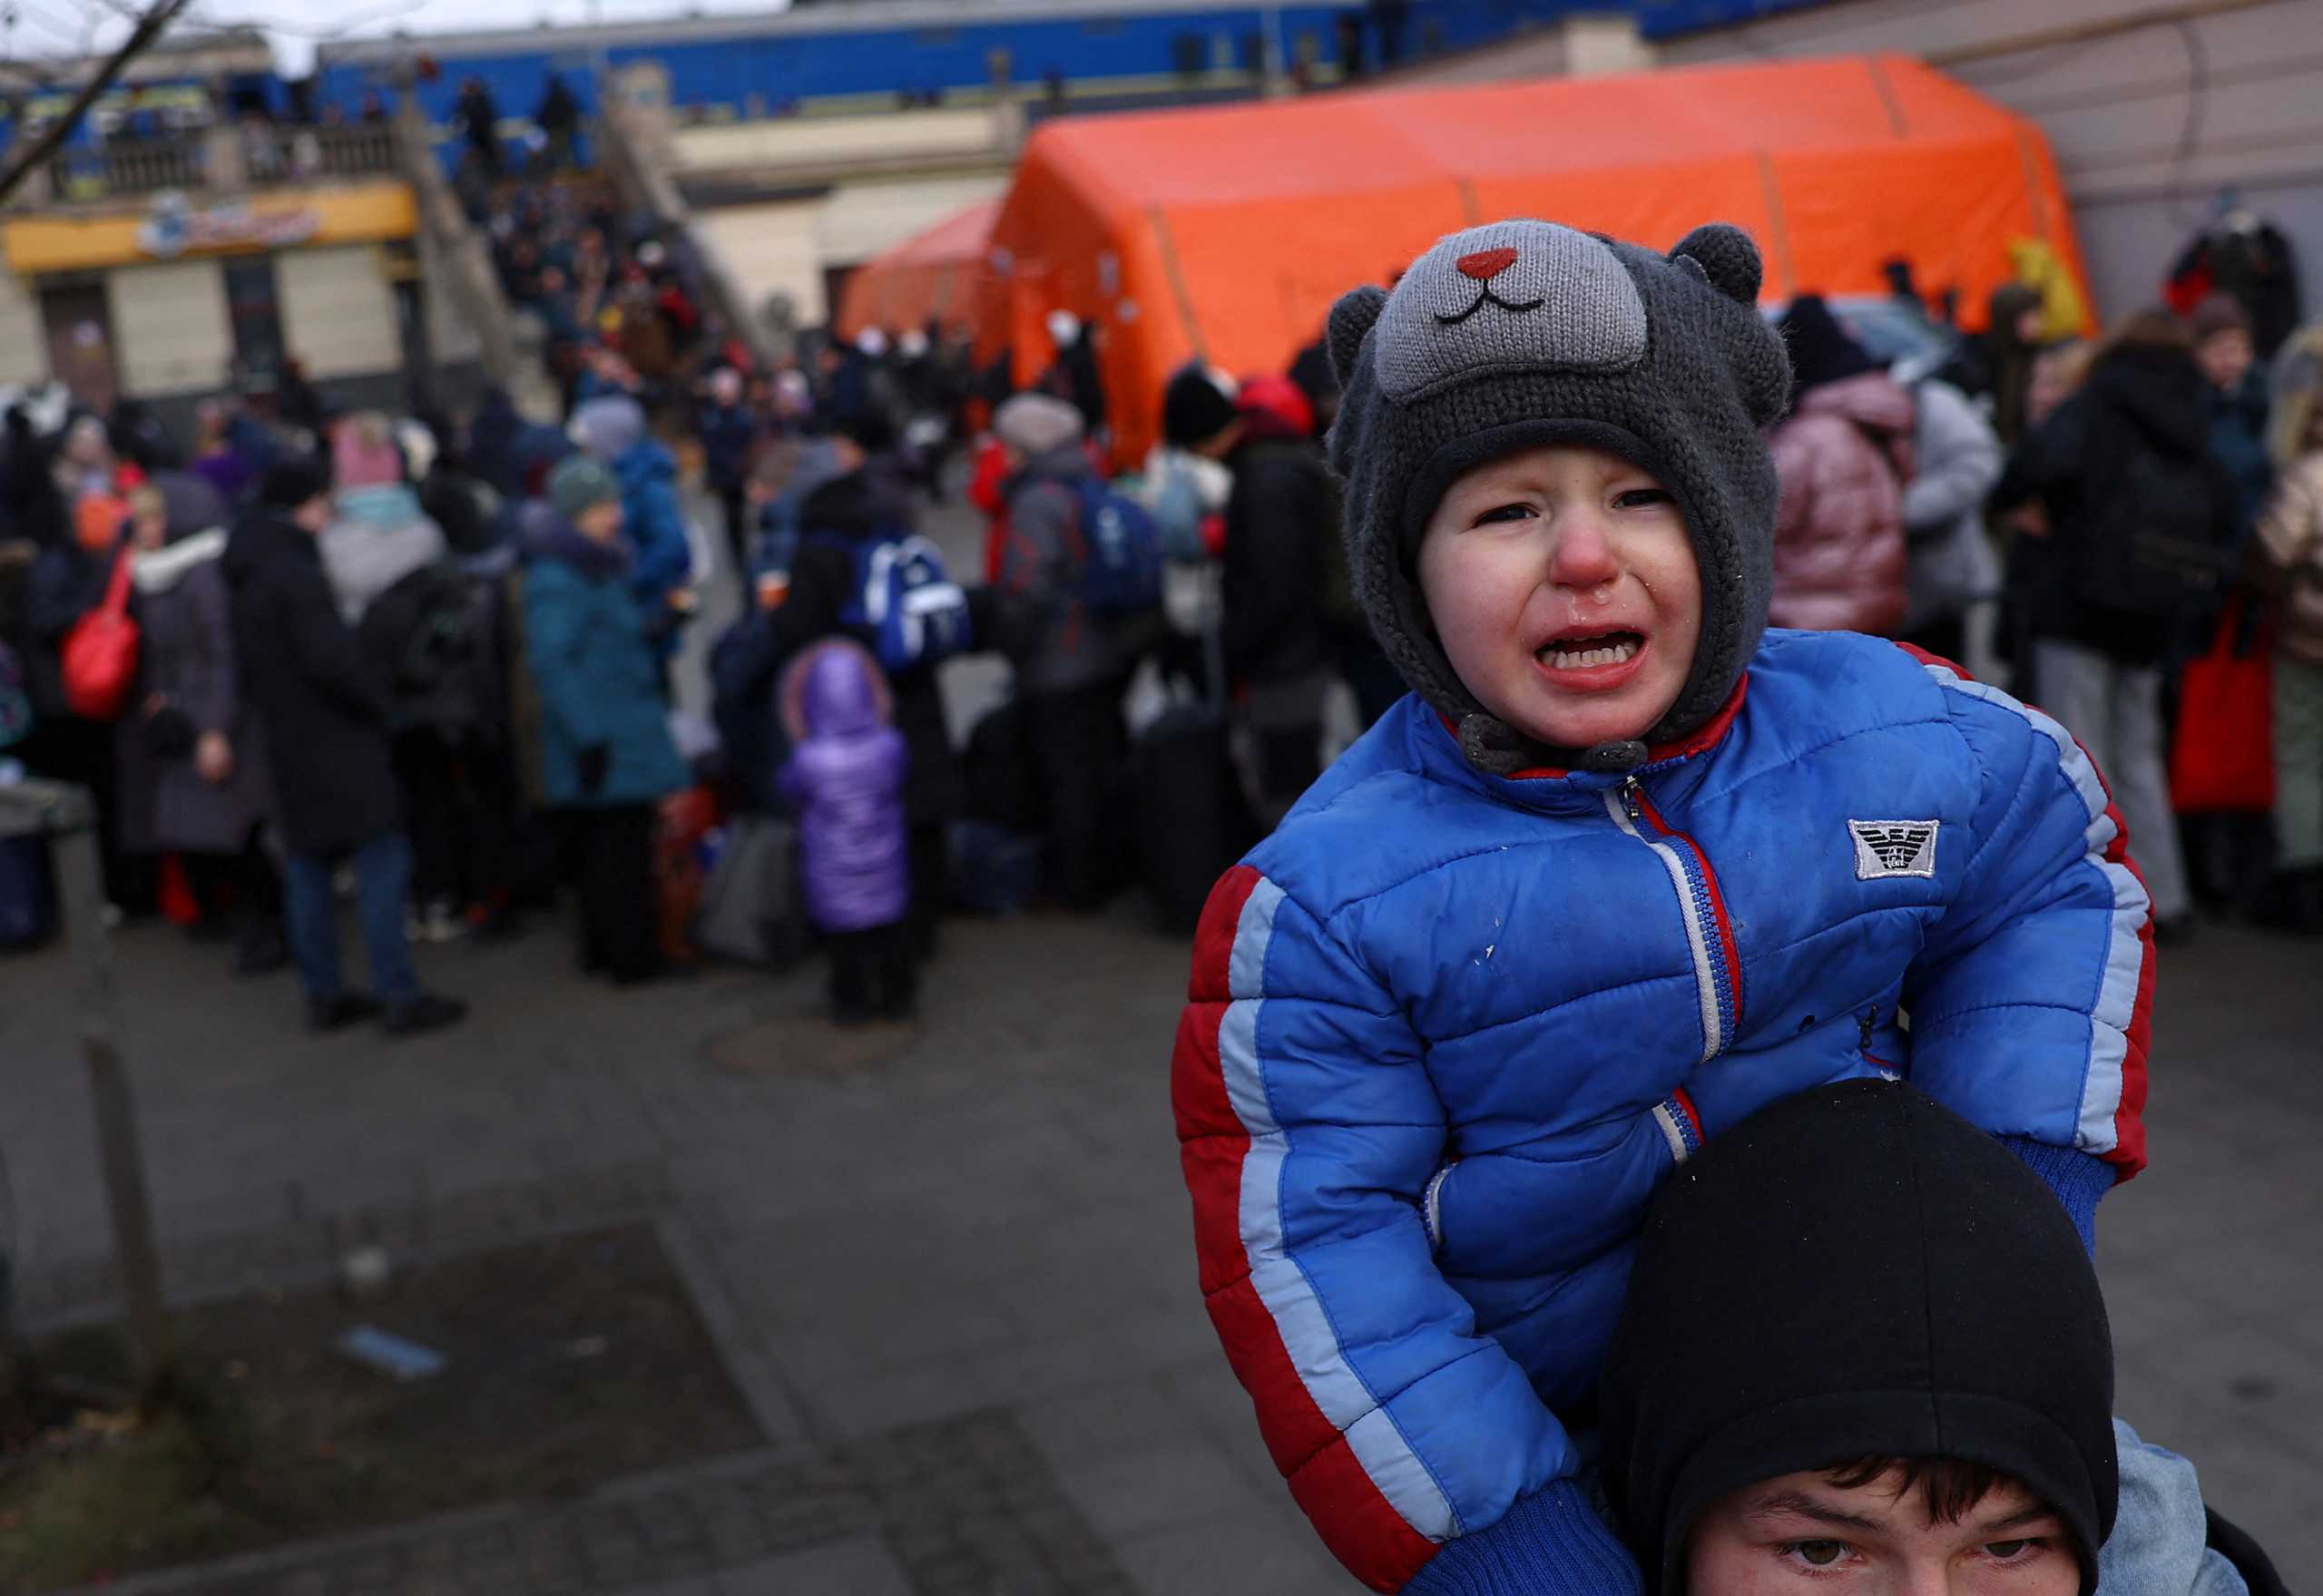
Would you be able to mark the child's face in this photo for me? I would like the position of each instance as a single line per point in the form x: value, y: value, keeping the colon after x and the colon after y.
x: 1801, y: 1535
x: 1562, y: 585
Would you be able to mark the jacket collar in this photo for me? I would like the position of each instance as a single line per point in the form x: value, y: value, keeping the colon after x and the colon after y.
x: 1551, y: 787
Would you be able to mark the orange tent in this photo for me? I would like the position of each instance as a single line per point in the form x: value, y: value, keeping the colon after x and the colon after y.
x: 936, y: 273
x: 1225, y: 233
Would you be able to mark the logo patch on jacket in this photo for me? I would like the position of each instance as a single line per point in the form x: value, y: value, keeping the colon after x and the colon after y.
x: 1893, y: 847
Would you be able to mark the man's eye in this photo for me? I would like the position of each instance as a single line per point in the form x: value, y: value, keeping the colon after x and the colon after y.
x: 1642, y: 498
x: 1504, y: 513
x: 1817, y: 1553
x: 2013, y: 1551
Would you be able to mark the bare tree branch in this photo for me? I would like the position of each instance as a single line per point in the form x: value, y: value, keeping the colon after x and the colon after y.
x: 149, y: 27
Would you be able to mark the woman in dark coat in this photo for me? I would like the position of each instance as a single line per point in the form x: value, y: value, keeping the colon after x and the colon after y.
x: 192, y: 766
x: 304, y: 678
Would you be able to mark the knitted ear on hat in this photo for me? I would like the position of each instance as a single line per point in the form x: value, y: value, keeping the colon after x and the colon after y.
x: 1351, y: 317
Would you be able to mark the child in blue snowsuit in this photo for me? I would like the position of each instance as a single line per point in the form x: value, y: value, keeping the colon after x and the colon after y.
x: 1623, y: 868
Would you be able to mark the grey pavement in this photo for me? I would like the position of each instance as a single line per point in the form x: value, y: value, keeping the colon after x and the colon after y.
x: 958, y: 1283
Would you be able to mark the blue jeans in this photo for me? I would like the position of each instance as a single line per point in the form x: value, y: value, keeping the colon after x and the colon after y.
x: 383, y: 869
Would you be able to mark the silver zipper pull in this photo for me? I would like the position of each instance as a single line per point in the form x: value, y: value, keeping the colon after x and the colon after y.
x: 1629, y: 796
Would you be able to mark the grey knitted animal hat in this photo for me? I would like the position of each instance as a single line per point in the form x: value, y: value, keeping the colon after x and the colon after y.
x: 1522, y: 333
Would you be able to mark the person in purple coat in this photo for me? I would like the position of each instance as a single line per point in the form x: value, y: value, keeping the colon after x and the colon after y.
x: 846, y: 779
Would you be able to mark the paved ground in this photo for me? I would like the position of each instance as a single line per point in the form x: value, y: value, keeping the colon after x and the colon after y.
x: 957, y: 1282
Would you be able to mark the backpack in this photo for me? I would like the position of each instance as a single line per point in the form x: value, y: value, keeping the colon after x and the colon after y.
x: 2155, y: 545
x: 904, y: 602
x: 99, y: 656
x: 427, y: 637
x: 1121, y: 550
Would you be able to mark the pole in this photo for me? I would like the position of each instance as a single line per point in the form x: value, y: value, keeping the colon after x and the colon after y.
x: 68, y: 819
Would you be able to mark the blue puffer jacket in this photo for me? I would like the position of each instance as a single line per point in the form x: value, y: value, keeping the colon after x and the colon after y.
x: 1448, y: 1033
x: 654, y: 525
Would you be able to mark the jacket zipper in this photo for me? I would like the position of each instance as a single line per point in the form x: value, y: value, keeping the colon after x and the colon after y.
x: 1709, y: 936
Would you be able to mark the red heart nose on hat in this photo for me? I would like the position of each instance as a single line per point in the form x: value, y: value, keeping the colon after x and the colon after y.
x: 1486, y: 264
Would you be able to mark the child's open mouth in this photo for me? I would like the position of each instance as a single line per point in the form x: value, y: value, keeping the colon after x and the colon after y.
x: 1591, y: 653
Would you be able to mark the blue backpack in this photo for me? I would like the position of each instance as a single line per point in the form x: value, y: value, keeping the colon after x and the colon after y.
x: 905, y: 604
x: 1120, y: 551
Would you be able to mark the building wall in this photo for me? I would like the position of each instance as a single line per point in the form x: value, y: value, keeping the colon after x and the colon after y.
x: 858, y: 220
x: 771, y: 248
x: 24, y: 339
x: 169, y: 328
x: 2151, y: 125
x: 339, y: 315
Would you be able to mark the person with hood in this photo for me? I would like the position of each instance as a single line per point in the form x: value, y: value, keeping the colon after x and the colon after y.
x: 378, y: 533
x: 1283, y: 583
x: 2127, y: 530
x: 1944, y: 1423
x: 192, y: 765
x: 607, y: 754
x: 612, y: 429
x: 1844, y: 456
x: 1956, y: 461
x: 304, y: 678
x: 218, y: 456
x: 1072, y: 664
x: 847, y: 780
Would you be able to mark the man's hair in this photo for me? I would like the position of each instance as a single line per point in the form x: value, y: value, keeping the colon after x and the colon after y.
x: 1948, y: 1486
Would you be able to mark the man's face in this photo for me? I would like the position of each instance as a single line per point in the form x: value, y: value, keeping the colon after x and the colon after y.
x: 2225, y: 358
x: 1563, y: 588
x: 1800, y: 1534
x: 313, y: 516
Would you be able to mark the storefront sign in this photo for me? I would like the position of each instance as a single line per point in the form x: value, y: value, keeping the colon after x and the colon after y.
x: 176, y: 228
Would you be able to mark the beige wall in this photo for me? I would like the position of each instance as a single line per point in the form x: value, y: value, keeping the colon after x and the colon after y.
x: 859, y: 219
x: 170, y: 329
x: 23, y: 337
x: 769, y: 248
x: 339, y: 314
x: 822, y: 139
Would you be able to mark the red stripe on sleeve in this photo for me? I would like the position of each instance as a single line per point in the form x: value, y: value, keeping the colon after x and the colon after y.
x: 1363, y: 1531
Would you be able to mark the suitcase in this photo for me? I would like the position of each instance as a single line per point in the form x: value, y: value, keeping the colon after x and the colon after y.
x: 994, y: 870
x: 1003, y: 788
x: 1193, y: 818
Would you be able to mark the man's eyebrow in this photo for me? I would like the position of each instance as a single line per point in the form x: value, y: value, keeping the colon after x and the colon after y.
x: 2031, y: 1513
x: 1793, y: 1503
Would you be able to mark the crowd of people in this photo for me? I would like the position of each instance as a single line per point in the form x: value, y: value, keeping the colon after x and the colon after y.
x: 484, y: 613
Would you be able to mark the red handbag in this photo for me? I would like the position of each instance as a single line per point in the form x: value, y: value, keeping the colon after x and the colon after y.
x: 100, y: 653
x: 2223, y: 756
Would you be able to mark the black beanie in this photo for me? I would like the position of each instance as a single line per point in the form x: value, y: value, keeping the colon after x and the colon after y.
x: 1821, y: 350
x: 1854, y: 1273
x: 1195, y: 409
x: 291, y: 482
x: 868, y: 429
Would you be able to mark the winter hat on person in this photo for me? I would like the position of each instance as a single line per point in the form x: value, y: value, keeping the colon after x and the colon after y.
x: 1037, y: 424
x: 579, y: 482
x: 1197, y: 405
x: 1854, y: 1274
x: 608, y: 425
x: 1526, y: 333
x: 1821, y: 350
x: 363, y: 452
x: 2220, y: 313
x: 291, y: 482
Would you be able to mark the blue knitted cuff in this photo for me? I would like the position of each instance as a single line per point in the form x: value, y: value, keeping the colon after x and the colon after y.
x: 2078, y: 1179
x: 1549, y: 1543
